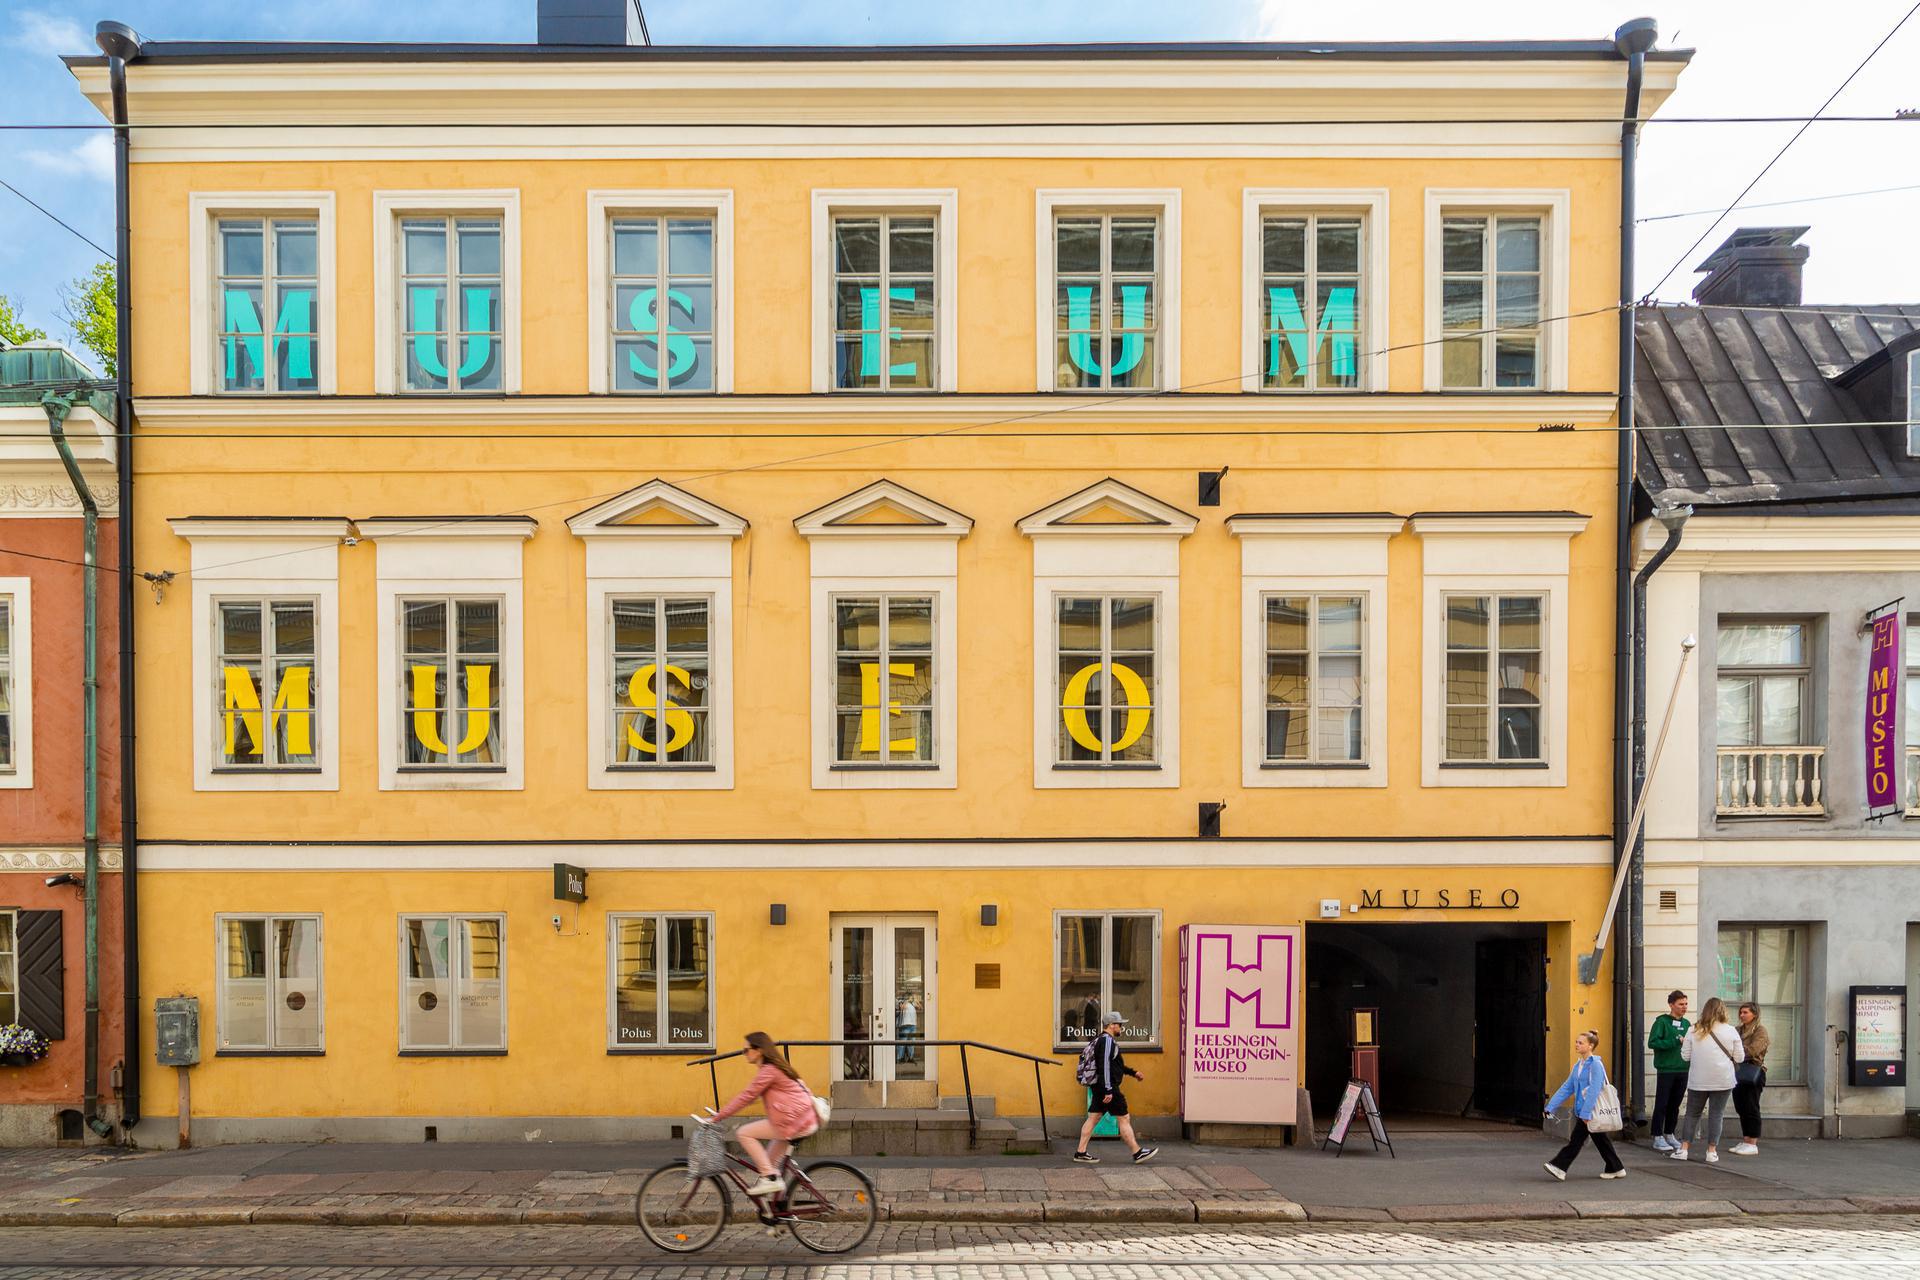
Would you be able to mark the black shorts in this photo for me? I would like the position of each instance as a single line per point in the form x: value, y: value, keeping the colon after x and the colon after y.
x: 1118, y: 1107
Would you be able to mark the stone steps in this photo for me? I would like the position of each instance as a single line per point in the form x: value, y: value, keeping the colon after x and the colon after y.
x: 901, y: 1131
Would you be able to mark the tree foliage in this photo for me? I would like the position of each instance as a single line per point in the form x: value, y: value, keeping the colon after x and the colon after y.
x: 87, y: 305
x: 12, y: 327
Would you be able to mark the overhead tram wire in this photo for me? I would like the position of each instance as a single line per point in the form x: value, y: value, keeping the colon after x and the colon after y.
x: 56, y: 217
x: 1765, y: 168
x: 1775, y: 204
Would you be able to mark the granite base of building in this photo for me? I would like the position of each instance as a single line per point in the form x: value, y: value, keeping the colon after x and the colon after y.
x: 52, y: 1124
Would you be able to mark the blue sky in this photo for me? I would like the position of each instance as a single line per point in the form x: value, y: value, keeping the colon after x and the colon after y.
x: 1754, y: 57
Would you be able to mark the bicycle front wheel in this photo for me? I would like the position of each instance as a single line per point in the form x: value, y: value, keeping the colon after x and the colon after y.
x: 678, y: 1213
x: 831, y: 1207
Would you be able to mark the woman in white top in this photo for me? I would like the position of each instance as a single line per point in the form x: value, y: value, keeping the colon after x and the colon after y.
x: 1712, y: 1049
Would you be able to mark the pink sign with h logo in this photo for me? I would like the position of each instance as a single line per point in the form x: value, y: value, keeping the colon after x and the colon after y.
x: 1239, y: 1024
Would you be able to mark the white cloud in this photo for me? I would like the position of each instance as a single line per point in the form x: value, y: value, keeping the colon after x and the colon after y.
x: 48, y: 34
x: 88, y: 158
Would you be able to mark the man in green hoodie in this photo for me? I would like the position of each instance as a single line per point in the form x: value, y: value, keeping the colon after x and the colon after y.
x: 1669, y: 1029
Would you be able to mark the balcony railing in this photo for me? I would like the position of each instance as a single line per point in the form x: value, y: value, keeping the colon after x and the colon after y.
x: 1913, y: 782
x: 1771, y: 782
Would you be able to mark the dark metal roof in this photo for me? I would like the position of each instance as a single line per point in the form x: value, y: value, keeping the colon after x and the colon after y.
x: 1732, y: 404
x: 240, y: 51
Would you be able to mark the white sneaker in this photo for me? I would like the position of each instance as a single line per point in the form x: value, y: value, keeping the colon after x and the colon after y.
x: 1616, y: 1173
x: 1713, y: 1157
x: 767, y: 1186
x: 1559, y: 1174
x: 1746, y: 1149
x: 1678, y: 1153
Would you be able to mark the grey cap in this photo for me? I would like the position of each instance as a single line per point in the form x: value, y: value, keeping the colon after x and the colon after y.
x: 1113, y: 1017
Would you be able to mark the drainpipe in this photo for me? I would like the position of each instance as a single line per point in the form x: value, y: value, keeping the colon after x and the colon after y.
x: 1674, y: 519
x: 58, y: 405
x: 1632, y: 40
x: 120, y: 42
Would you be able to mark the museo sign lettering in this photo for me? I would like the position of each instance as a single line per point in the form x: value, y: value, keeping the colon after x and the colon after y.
x: 1884, y: 668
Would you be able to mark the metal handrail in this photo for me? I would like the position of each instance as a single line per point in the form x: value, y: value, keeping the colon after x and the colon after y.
x: 966, y: 1076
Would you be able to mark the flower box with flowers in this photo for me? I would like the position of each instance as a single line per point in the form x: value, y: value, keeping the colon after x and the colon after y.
x: 21, y: 1046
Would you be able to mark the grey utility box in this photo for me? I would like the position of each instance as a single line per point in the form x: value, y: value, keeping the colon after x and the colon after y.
x: 176, y: 1025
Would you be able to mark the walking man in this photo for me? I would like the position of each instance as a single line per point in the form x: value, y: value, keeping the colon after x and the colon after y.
x: 1109, y: 1067
x: 1670, y: 1068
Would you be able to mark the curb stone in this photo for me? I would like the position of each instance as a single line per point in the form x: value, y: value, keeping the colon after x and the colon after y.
x: 1248, y: 1211
x: 579, y: 1216
x: 59, y: 1217
x: 1345, y: 1213
x: 1118, y: 1211
x: 308, y: 1215
x: 187, y: 1216
x: 1528, y: 1209
x: 1656, y: 1208
x: 1757, y: 1207
x: 455, y: 1215
x: 934, y: 1211
x: 1887, y: 1204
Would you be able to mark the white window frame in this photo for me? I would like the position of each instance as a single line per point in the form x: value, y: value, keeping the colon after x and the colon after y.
x: 1527, y: 553
x: 1913, y: 403
x: 847, y: 558
x: 660, y: 918
x: 1106, y: 974
x: 1553, y: 207
x: 661, y: 656
x: 424, y: 557
x: 18, y: 592
x: 884, y: 599
x: 690, y: 559
x: 454, y: 980
x: 1161, y: 201
x: 1319, y: 556
x: 389, y: 208
x: 229, y: 559
x: 204, y: 211
x: 603, y: 206
x: 944, y: 204
x: 10, y: 963
x: 269, y: 687
x: 454, y: 713
x: 1057, y: 702
x: 221, y: 979
x: 1370, y: 204
x: 1549, y: 676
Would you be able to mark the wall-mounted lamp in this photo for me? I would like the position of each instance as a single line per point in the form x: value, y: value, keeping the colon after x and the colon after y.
x: 777, y: 913
x: 989, y: 914
x: 1210, y: 811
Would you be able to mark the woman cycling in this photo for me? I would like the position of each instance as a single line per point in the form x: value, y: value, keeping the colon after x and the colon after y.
x: 790, y: 1113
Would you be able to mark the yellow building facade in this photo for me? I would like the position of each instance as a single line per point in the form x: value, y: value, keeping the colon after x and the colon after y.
x: 863, y: 510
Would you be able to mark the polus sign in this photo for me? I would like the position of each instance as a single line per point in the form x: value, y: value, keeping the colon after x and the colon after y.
x: 1239, y: 1023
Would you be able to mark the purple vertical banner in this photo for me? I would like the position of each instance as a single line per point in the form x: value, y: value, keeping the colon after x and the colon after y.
x: 1885, y: 757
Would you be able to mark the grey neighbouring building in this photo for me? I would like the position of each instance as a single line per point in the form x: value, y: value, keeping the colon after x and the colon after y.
x: 1793, y: 431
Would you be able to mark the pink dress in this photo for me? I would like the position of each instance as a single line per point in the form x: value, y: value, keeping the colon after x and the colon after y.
x: 789, y: 1105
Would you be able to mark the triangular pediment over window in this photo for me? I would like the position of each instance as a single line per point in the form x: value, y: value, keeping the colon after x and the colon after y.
x: 657, y: 507
x: 1109, y: 507
x: 884, y: 507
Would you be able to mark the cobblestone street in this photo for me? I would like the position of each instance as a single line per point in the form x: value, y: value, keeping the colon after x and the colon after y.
x: 1799, y: 1246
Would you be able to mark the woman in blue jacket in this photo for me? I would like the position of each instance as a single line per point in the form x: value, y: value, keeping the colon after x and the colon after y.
x: 1584, y: 1082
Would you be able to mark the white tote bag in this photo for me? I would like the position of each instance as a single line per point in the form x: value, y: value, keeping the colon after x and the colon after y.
x: 1606, y: 1112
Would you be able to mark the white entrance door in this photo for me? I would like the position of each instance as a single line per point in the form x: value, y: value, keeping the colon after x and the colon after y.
x: 884, y: 989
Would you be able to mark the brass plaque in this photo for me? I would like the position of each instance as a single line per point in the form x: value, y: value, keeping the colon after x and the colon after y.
x: 986, y: 977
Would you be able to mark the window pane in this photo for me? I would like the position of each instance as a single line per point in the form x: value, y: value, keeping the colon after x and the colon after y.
x: 1780, y: 711
x: 245, y: 980
x: 1520, y: 622
x: 1516, y: 362
x: 1463, y: 244
x: 292, y: 629
x: 1339, y: 682
x: 1516, y: 301
x: 857, y: 625
x: 1076, y: 243
x: 1340, y: 624
x: 426, y: 995
x: 1467, y: 622
x: 686, y: 626
x: 1520, y: 679
x: 1287, y: 732
x: 1518, y: 247
x: 856, y: 243
x: 241, y: 249
x: 1079, y: 623
x: 688, y: 973
x: 910, y: 623
x: 482, y: 994
x: 1762, y: 644
x: 633, y: 626
x: 423, y: 248
x: 690, y: 246
x: 1079, y: 975
x: 1284, y: 246
x: 1337, y: 246
x: 1466, y: 679
x: 1132, y: 627
x: 636, y: 248
x: 1460, y: 363
x: 478, y: 626
x: 241, y: 697
x: 1133, y: 244
x: 1519, y: 733
x: 1466, y: 733
x: 1287, y: 622
x: 1132, y: 361
x: 636, y: 983
x: 910, y: 245
x: 479, y: 248
x: 1339, y: 734
x: 1735, y: 712
x: 297, y: 984
x: 1287, y: 679
x: 1463, y: 304
x: 1133, y: 964
x: 239, y: 628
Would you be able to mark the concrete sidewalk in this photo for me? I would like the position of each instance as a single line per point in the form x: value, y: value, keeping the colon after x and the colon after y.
x: 1480, y: 1176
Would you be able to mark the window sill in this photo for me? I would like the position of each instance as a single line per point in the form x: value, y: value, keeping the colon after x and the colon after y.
x: 301, y: 770
x: 453, y: 1053
x: 1287, y: 765
x: 447, y: 771
x: 1095, y: 767
x: 269, y: 1053
x: 1495, y: 764
x: 928, y: 766
x: 688, y: 1051
x: 662, y: 768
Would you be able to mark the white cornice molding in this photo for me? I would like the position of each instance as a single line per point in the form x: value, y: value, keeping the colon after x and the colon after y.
x: 24, y: 439
x: 1786, y: 544
x: 379, y: 528
x: 1501, y: 524
x: 725, y: 412
x: 1158, y: 519
x: 194, y: 528
x: 708, y: 520
x: 56, y: 498
x: 1308, y: 525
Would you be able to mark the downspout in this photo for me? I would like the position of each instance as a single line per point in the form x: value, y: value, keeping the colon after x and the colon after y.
x: 119, y: 42
x: 1632, y: 40
x: 1675, y: 520
x: 58, y: 405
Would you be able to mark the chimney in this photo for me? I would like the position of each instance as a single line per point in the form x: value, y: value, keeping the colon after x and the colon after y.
x: 591, y: 22
x: 1754, y: 267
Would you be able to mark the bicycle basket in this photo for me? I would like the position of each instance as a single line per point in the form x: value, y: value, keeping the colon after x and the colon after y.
x: 706, y: 1151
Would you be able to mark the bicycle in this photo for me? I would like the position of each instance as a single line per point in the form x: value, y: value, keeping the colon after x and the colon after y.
x: 829, y: 1206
